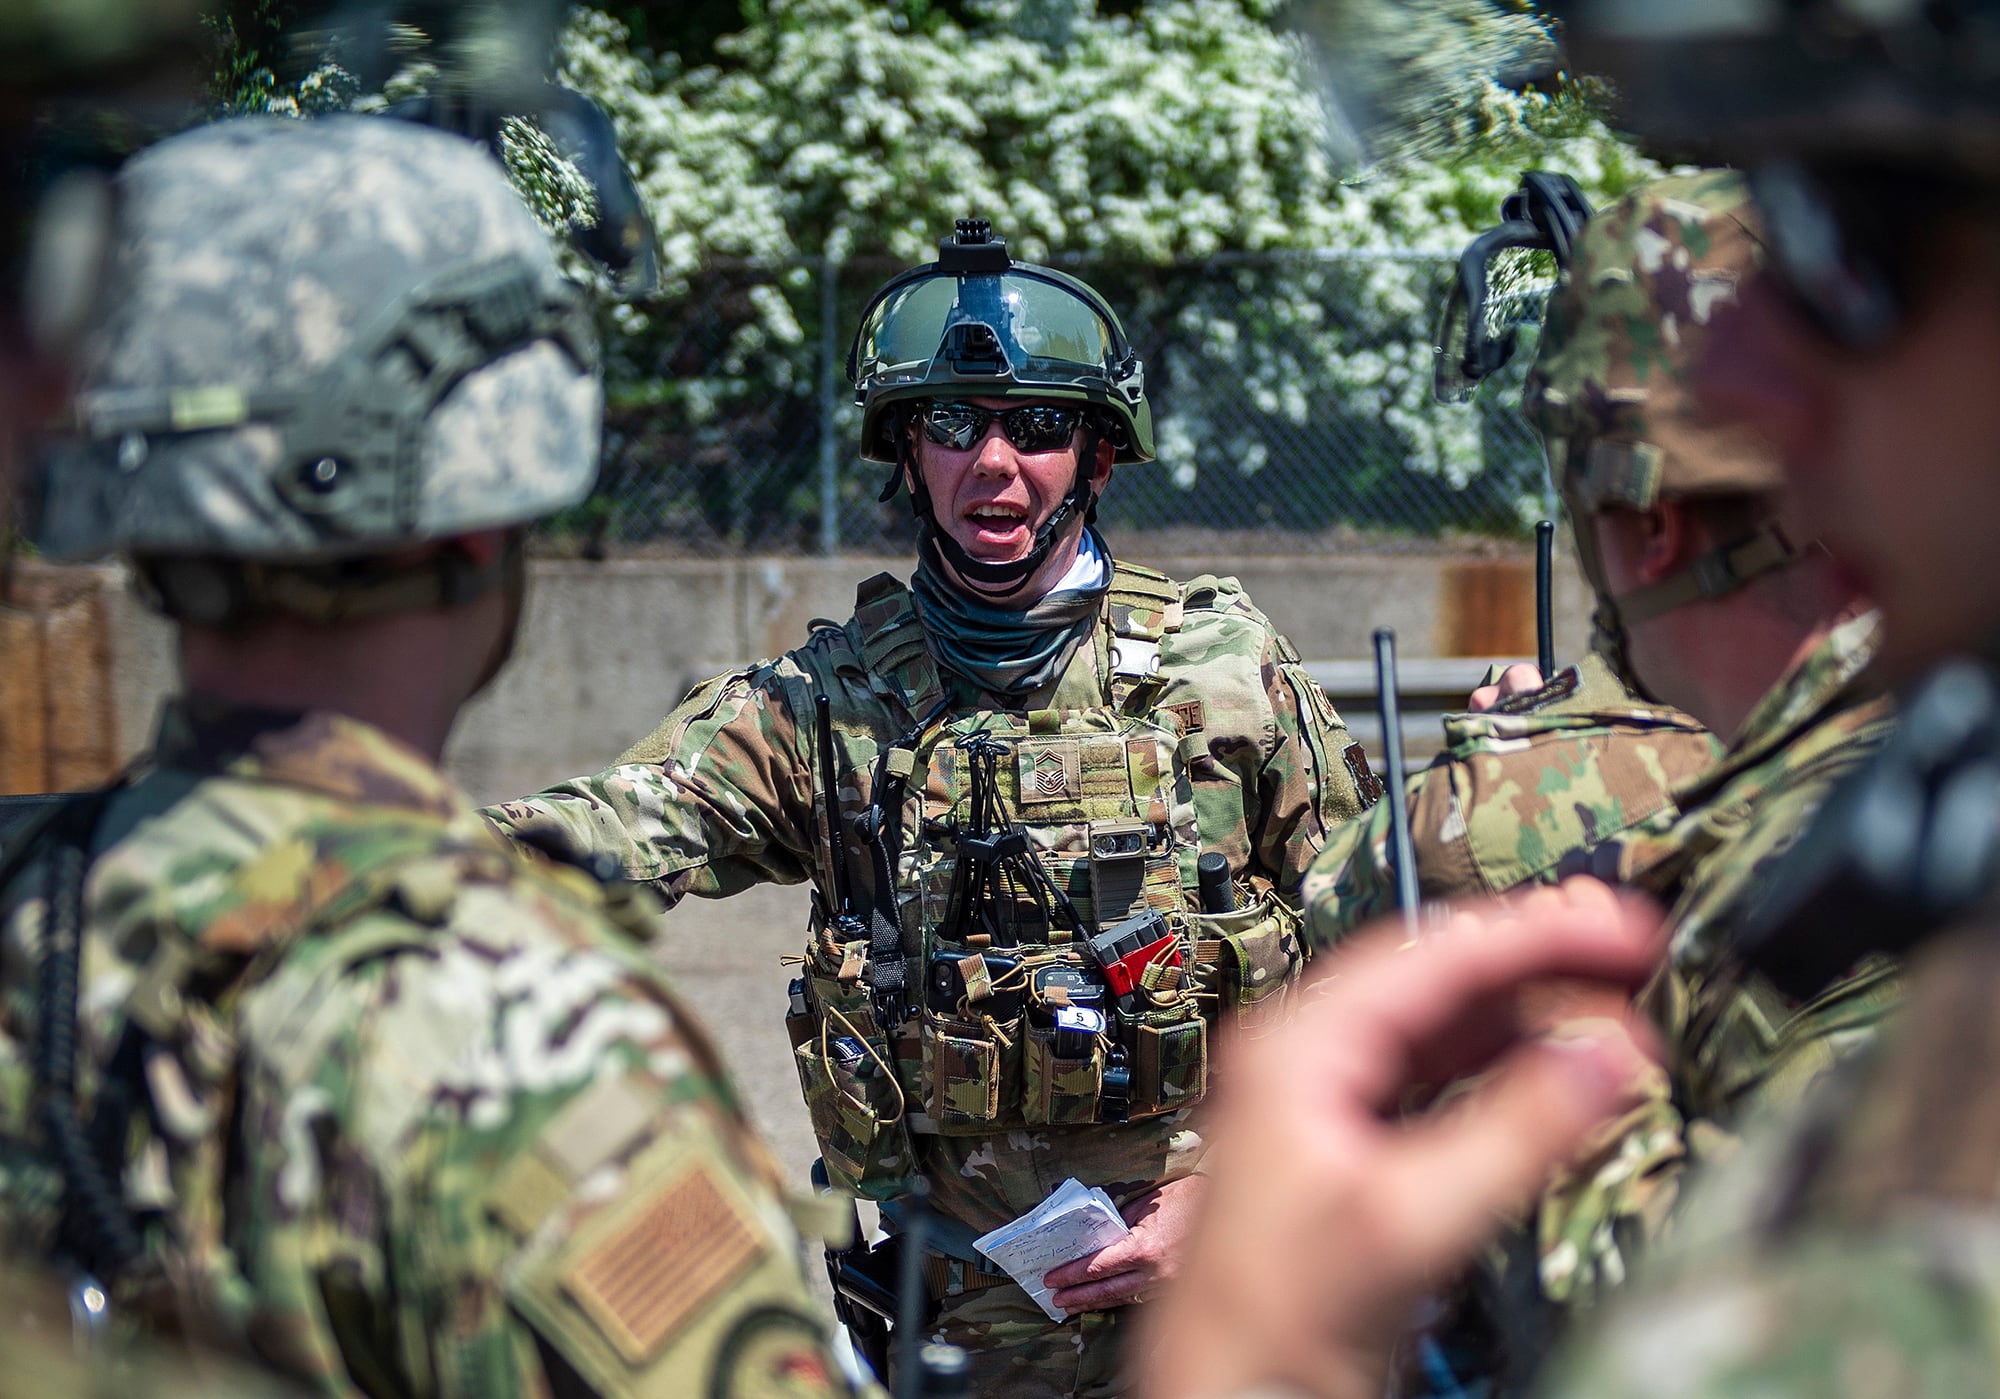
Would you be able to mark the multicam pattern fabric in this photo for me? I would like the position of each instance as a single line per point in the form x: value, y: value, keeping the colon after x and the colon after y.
x: 725, y: 794
x: 1848, y: 1249
x: 1612, y: 391
x: 1736, y: 1049
x: 418, y: 1118
x: 363, y: 211
x: 1565, y: 781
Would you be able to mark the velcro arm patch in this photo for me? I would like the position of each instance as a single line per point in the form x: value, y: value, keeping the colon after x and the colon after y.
x: 643, y: 1289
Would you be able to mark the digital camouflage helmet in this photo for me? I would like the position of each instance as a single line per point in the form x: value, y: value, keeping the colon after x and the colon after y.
x: 977, y: 324
x: 1611, y: 393
x: 321, y: 342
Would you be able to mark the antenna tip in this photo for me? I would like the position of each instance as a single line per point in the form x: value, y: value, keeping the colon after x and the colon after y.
x: 1383, y: 634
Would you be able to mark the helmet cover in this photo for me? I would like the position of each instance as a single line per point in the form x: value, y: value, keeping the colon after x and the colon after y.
x: 1611, y: 389
x: 322, y: 340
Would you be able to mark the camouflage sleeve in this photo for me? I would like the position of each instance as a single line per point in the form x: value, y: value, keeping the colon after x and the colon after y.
x: 1311, y: 780
x: 1738, y: 1051
x: 1831, y: 1314
x: 1353, y: 880
x: 1299, y: 775
x: 488, y: 1156
x: 716, y: 799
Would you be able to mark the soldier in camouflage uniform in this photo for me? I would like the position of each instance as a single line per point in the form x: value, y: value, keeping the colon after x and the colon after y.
x: 1851, y: 1251
x: 1030, y: 746
x: 1729, y: 608
x: 1610, y: 394
x: 299, y: 1058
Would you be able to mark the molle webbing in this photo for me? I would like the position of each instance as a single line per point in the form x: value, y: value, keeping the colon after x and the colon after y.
x: 1144, y: 606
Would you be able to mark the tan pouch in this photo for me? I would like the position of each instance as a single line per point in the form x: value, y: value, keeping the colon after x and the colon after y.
x: 1259, y: 954
x: 1059, y: 1092
x: 971, y: 1071
x: 1169, y: 1066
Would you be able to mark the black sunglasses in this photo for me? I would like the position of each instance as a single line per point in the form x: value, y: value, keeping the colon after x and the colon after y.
x: 1848, y: 245
x: 1033, y: 427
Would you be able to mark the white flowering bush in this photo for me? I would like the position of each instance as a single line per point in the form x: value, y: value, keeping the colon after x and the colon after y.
x: 1293, y: 391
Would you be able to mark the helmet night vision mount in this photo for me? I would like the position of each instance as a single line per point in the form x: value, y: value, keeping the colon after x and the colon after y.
x: 978, y: 324
x: 1546, y: 214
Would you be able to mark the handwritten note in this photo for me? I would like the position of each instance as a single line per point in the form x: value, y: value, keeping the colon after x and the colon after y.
x: 1072, y: 1222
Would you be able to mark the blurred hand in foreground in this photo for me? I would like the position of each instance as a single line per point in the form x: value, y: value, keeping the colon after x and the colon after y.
x: 1339, y: 1195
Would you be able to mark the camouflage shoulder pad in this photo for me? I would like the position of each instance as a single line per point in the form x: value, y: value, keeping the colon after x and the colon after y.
x: 683, y: 1279
x: 1210, y: 591
x: 703, y: 700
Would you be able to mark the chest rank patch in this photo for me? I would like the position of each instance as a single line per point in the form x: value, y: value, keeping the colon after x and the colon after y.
x: 1048, y: 772
x: 1189, y: 712
x: 643, y: 1284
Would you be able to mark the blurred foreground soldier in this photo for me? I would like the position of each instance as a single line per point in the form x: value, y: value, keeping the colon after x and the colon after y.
x: 1025, y: 750
x: 299, y: 1058
x: 1705, y: 602
x: 1855, y: 1251
x: 1852, y: 1251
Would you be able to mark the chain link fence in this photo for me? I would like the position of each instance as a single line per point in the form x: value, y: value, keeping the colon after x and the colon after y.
x: 1291, y: 397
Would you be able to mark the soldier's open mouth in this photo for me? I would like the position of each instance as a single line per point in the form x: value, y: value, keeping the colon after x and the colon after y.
x: 997, y: 525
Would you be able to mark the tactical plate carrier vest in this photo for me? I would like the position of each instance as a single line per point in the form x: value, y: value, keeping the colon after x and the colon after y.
x: 1029, y: 951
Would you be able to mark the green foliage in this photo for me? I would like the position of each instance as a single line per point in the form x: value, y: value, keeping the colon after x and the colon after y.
x: 846, y: 131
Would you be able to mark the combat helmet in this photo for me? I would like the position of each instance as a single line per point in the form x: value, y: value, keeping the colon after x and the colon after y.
x: 1860, y: 121
x: 977, y: 323
x: 1611, y: 392
x: 321, y: 342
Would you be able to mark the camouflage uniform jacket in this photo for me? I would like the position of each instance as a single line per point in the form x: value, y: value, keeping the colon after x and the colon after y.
x: 407, y: 1114
x: 1538, y: 788
x: 1735, y: 1048
x: 1250, y: 760
x: 1851, y: 1247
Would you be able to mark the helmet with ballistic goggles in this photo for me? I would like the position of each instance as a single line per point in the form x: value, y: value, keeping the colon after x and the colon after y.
x: 321, y: 342
x: 1611, y: 389
x: 977, y: 324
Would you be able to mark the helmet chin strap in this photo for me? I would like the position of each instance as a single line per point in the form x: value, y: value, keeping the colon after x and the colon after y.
x: 985, y: 576
x: 1715, y: 574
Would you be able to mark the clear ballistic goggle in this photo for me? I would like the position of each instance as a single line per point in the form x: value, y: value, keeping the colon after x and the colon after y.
x: 1502, y: 276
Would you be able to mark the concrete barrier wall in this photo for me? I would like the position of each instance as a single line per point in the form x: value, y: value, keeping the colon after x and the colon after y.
x: 608, y: 648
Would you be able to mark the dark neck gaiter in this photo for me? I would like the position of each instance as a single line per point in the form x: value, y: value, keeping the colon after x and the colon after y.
x: 1001, y: 650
